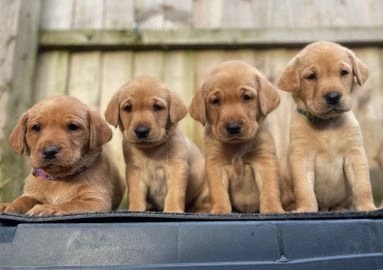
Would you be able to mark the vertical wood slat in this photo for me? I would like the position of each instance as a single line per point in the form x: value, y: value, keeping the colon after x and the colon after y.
x: 84, y: 77
x: 88, y: 14
x: 51, y: 74
x: 179, y: 76
x: 14, y: 167
x: 9, y: 11
x: 116, y: 71
x: 118, y: 14
x: 56, y: 14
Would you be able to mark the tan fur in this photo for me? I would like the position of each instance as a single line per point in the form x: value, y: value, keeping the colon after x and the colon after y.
x: 379, y: 159
x: 242, y: 168
x: 98, y: 188
x: 164, y: 170
x: 327, y: 160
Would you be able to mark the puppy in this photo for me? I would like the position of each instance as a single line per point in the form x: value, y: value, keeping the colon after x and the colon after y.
x: 241, y: 162
x: 164, y: 170
x: 327, y: 160
x: 379, y: 159
x: 63, y: 139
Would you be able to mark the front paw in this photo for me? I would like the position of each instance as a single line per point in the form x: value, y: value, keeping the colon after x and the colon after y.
x: 45, y: 210
x: 272, y: 210
x: 9, y: 208
x: 366, y: 207
x: 305, y: 209
x: 220, y: 210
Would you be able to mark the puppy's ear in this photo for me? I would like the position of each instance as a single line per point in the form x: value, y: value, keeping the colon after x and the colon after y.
x: 359, y: 69
x: 177, y: 109
x: 197, y: 108
x: 17, y: 137
x: 112, y: 112
x: 289, y: 80
x: 99, y: 131
x: 267, y: 95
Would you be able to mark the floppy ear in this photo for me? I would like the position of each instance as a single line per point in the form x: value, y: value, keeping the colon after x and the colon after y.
x: 177, y: 108
x: 197, y: 108
x: 289, y: 80
x: 267, y: 96
x: 99, y: 131
x: 359, y: 69
x: 17, y: 137
x: 112, y: 112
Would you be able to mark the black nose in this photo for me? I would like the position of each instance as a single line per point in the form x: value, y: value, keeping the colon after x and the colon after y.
x: 50, y: 152
x: 142, y: 132
x: 333, y: 98
x: 233, y: 128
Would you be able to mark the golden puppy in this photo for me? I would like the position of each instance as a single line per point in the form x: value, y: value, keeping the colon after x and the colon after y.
x: 164, y: 170
x: 241, y: 162
x: 326, y: 155
x: 63, y: 139
x: 379, y: 159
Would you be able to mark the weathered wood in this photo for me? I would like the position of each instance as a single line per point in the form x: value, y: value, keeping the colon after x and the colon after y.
x: 15, y: 168
x: 116, y: 71
x: 88, y: 14
x: 51, y: 74
x: 205, y: 38
x: 84, y: 78
x: 56, y: 14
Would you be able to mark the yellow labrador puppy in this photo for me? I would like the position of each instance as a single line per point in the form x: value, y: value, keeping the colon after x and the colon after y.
x: 241, y: 163
x: 164, y: 169
x: 327, y: 160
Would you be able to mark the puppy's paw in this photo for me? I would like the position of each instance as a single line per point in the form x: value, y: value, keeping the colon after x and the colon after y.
x: 272, y: 210
x: 220, y: 210
x: 174, y: 209
x: 366, y: 207
x: 8, y: 208
x: 45, y: 210
x: 305, y: 209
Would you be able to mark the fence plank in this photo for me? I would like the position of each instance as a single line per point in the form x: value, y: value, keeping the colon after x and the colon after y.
x: 179, y: 75
x: 88, y: 14
x: 51, y: 74
x: 84, y: 77
x: 56, y: 14
x: 116, y: 71
x: 118, y: 14
x: 14, y: 167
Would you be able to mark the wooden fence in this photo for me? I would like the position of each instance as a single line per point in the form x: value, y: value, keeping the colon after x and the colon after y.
x: 89, y: 48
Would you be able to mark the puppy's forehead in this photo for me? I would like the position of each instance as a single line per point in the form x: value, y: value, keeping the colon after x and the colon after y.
x: 232, y: 77
x: 144, y: 88
x: 59, y: 108
x: 324, y: 54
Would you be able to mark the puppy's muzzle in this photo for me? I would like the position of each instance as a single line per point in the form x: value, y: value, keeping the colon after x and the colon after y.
x: 333, y: 98
x: 142, y: 131
x: 51, y: 151
x: 233, y: 128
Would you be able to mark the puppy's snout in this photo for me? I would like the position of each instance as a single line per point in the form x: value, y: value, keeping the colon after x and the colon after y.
x: 51, y: 151
x: 233, y: 128
x: 142, y: 132
x: 333, y: 98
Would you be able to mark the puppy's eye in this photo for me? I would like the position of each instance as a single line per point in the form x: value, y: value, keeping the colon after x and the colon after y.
x: 215, y: 101
x: 36, y: 128
x: 73, y: 127
x: 157, y: 108
x: 128, y: 108
x: 247, y: 97
x: 343, y: 72
x: 311, y: 77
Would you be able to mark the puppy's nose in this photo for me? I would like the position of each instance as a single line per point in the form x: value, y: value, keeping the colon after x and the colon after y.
x: 233, y: 128
x: 333, y: 98
x: 142, y: 132
x: 50, y: 152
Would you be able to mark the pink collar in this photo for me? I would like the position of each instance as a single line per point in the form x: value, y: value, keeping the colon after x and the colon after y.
x: 41, y: 173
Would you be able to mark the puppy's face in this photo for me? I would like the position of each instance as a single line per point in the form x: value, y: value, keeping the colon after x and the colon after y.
x: 146, y: 111
x: 321, y: 78
x: 233, y: 100
x: 58, y: 133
